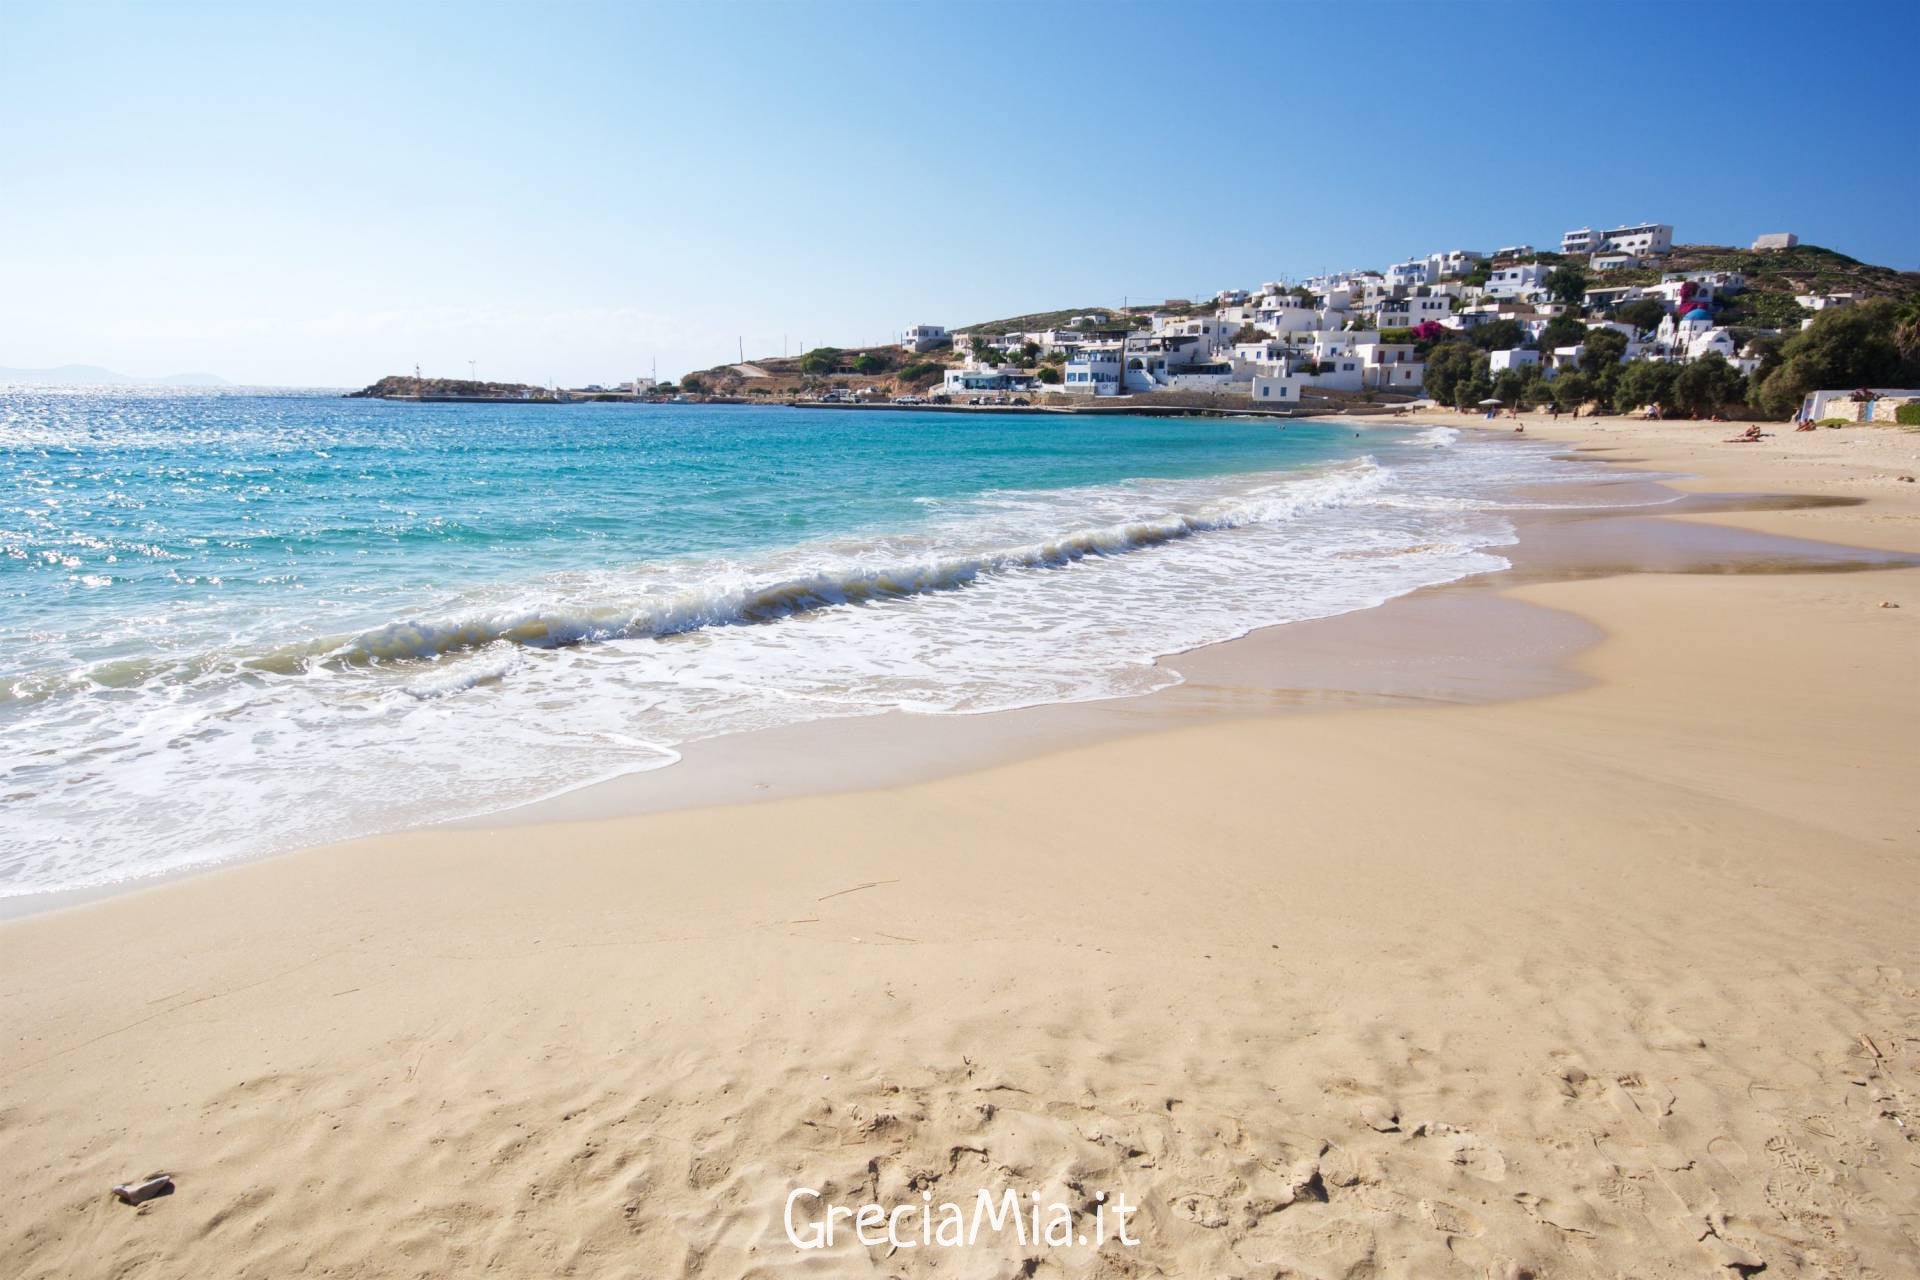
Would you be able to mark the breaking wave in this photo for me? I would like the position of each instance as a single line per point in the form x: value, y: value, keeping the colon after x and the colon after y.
x: 719, y: 606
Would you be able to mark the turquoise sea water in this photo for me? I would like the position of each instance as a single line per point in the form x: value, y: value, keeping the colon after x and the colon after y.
x: 232, y: 623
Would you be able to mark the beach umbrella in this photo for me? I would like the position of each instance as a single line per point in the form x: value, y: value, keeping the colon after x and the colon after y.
x: 1489, y: 401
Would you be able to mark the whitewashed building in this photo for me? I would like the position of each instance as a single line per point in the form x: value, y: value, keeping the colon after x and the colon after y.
x: 1283, y: 382
x: 1581, y: 240
x: 1521, y: 281
x: 977, y: 378
x: 925, y: 337
x: 1561, y: 359
x: 1414, y: 271
x: 1404, y: 313
x: 1094, y: 370
x: 1642, y: 239
x: 1286, y: 314
x: 1212, y: 331
x: 1453, y: 262
x: 1281, y: 390
x: 1390, y: 366
x: 1723, y: 282
x: 1680, y: 339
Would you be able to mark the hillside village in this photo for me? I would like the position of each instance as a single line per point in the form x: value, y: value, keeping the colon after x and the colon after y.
x: 1620, y: 319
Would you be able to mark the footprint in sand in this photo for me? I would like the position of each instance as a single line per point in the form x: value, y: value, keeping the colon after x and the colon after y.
x: 1728, y: 1154
x: 1623, y: 1191
x: 1574, y: 1082
x: 1201, y: 1209
x: 1572, y: 1219
x: 1479, y: 1157
x: 1451, y: 1219
x: 1470, y: 1152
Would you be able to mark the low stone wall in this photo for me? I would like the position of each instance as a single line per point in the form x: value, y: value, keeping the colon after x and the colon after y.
x: 1879, y: 412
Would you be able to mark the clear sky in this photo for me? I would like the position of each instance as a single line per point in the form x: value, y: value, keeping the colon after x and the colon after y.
x: 321, y: 194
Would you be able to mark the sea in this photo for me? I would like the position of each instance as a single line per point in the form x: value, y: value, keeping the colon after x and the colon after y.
x: 234, y: 623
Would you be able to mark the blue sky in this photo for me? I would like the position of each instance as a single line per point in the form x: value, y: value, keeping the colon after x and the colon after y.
x: 323, y: 194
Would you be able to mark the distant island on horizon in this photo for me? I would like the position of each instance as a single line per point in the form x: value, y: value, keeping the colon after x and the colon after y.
x: 455, y: 390
x: 93, y: 375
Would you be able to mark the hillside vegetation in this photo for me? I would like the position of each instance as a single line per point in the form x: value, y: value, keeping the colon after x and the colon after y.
x: 1773, y: 279
x: 1032, y: 323
x: 886, y: 369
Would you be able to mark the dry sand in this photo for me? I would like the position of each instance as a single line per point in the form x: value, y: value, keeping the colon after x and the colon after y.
x: 1619, y: 979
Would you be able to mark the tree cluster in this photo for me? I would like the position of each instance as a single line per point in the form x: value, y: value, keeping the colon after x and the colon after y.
x: 1876, y: 343
x: 820, y: 361
x: 1459, y: 373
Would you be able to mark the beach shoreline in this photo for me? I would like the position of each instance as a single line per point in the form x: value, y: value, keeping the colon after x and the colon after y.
x: 1538, y: 923
x: 840, y: 754
x: 890, y: 746
x: 1353, y: 659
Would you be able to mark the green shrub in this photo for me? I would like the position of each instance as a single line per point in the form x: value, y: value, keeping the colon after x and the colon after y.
x: 820, y: 360
x: 1836, y: 422
x: 1908, y: 415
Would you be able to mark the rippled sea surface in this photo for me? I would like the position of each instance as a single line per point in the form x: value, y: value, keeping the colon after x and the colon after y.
x: 233, y: 623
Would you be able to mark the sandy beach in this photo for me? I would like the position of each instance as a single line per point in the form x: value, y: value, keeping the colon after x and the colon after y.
x: 1620, y: 977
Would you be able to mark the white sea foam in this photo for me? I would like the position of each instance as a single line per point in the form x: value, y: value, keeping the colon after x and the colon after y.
x: 493, y: 697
